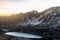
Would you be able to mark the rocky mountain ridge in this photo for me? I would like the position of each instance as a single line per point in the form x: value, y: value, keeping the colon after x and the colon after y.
x: 35, y: 22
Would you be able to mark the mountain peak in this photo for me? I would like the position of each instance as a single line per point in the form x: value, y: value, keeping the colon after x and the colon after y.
x: 33, y: 12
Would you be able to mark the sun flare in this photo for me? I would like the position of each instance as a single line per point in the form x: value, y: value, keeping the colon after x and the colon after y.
x: 5, y: 14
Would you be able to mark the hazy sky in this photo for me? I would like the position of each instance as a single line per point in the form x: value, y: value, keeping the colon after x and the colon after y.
x: 16, y: 6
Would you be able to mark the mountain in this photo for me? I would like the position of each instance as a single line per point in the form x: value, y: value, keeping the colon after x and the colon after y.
x: 46, y: 23
x: 49, y: 18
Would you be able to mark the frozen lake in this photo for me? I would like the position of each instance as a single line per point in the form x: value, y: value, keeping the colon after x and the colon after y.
x: 25, y: 35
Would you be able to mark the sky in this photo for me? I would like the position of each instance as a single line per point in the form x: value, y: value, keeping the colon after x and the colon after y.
x: 8, y: 7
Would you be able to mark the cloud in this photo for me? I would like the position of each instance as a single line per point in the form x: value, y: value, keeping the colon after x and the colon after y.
x: 14, y: 0
x: 27, y: 5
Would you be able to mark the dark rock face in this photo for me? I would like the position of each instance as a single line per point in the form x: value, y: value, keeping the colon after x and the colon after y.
x: 52, y: 18
x: 46, y: 23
